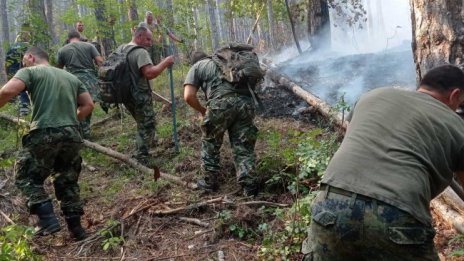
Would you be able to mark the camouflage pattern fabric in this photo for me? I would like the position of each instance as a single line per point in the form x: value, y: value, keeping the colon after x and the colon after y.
x: 140, y: 106
x: 354, y: 227
x: 234, y: 114
x: 89, y: 79
x: 155, y: 53
x: 51, y: 152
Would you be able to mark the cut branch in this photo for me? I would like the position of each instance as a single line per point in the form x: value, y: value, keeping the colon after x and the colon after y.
x: 133, y: 163
x: 194, y: 221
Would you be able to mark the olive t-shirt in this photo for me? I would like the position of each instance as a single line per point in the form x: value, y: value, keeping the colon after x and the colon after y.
x: 77, y: 56
x: 401, y: 148
x: 205, y: 74
x: 137, y: 59
x: 53, y: 95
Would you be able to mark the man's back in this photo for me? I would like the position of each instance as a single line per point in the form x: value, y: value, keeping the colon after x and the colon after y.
x: 401, y: 147
x: 54, y: 95
x: 77, y: 56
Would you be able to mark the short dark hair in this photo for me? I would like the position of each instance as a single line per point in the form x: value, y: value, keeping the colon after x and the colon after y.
x: 36, y: 51
x: 139, y: 30
x: 196, y: 56
x: 74, y: 34
x: 443, y: 78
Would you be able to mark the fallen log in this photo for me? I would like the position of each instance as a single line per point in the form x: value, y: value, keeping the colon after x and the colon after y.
x: 450, y: 208
x: 117, y: 155
x: 321, y: 106
x: 136, y: 165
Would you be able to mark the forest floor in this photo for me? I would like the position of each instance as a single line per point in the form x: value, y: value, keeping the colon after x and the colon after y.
x: 130, y: 216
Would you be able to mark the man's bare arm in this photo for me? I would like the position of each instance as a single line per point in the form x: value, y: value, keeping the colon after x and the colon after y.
x: 12, y: 88
x: 98, y: 60
x: 85, y: 105
x: 190, y: 96
x: 151, y: 71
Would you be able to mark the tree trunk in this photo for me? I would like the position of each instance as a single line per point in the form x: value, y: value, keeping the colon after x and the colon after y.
x: 169, y: 14
x: 106, y: 33
x: 37, y: 22
x: 318, y: 24
x: 49, y: 15
x: 270, y: 21
x: 5, y: 26
x: 133, y: 15
x: 196, y: 42
x: 3, y: 77
x: 213, y: 23
x: 218, y: 19
x: 293, y: 27
x: 437, y: 33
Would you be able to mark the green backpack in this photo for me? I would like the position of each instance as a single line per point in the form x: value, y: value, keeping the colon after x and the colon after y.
x: 239, y: 65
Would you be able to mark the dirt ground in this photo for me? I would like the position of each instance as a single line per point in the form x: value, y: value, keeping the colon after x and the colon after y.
x: 137, y: 203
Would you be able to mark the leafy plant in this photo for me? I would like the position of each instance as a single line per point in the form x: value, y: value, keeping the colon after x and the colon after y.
x: 110, y: 241
x: 15, y: 243
x: 460, y: 251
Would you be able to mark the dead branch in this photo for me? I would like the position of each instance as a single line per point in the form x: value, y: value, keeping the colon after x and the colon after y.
x: 159, y: 97
x: 133, y: 163
x: 262, y: 203
x: 7, y: 218
x: 194, y: 221
x: 189, y: 207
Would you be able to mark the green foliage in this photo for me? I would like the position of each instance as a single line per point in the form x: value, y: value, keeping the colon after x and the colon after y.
x: 237, y: 229
x: 111, y: 241
x: 15, y: 243
x: 283, y: 243
x: 342, y: 106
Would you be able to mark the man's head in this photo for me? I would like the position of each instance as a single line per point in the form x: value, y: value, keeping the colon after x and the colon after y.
x: 149, y: 17
x: 34, y: 56
x: 446, y: 82
x: 142, y: 36
x: 74, y: 35
x: 80, y: 26
x: 196, y: 56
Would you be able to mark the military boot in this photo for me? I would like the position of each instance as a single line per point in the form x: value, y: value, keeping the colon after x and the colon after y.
x: 75, y: 227
x: 208, y: 183
x: 48, y: 223
x: 249, y: 186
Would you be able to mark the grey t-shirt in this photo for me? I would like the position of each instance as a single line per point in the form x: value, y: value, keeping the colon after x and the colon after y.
x: 205, y: 74
x: 137, y: 59
x: 401, y: 148
x: 77, y: 56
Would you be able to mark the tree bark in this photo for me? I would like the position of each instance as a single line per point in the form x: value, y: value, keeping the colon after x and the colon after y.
x: 318, y: 24
x: 292, y: 24
x: 105, y: 25
x: 437, y: 33
x: 5, y: 25
x: 49, y: 15
x: 38, y: 25
x: 133, y: 15
x: 270, y: 21
x: 213, y: 24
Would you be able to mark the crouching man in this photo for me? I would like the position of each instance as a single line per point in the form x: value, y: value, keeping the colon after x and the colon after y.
x: 53, y: 143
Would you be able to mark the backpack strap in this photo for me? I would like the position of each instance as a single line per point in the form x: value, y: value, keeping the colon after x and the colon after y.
x: 128, y: 49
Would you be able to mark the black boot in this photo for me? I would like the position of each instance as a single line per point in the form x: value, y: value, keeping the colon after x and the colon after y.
x: 75, y: 227
x: 48, y: 223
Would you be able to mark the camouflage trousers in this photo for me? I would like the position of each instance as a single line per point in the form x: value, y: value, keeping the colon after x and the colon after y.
x: 349, y: 226
x: 51, y: 152
x: 140, y: 107
x: 236, y: 116
x: 89, y: 79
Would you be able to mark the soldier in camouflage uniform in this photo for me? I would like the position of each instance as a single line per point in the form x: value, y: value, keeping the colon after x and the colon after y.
x: 226, y: 110
x: 400, y: 151
x: 13, y: 62
x: 52, y: 145
x: 140, y: 104
x: 80, y: 58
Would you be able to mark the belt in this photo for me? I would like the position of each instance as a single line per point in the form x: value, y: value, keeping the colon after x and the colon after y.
x: 339, y: 191
x: 234, y: 94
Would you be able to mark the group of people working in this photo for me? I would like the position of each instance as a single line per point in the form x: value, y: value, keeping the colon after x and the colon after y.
x: 401, y: 148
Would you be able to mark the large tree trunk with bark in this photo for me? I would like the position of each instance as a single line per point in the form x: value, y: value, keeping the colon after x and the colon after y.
x: 105, y: 25
x: 37, y: 22
x: 5, y: 25
x: 213, y: 23
x: 437, y: 32
x: 292, y: 24
x: 49, y: 15
x: 270, y: 21
x: 318, y: 24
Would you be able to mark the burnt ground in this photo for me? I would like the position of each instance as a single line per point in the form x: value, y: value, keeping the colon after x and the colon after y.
x: 122, y: 202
